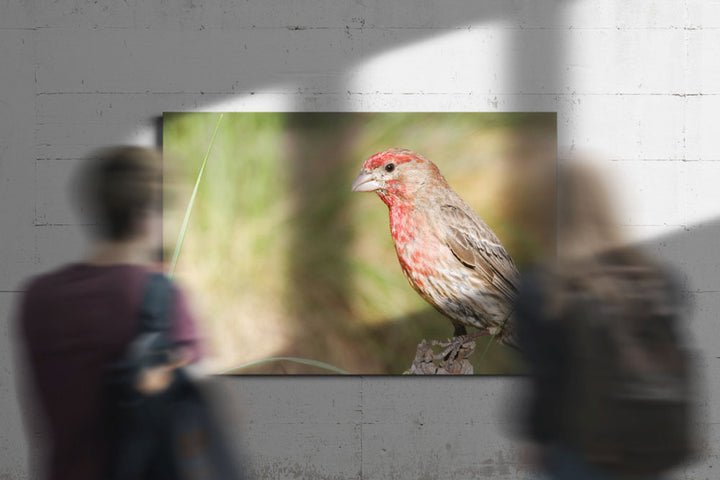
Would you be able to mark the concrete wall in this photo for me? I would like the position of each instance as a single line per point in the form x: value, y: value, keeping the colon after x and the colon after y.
x: 635, y: 79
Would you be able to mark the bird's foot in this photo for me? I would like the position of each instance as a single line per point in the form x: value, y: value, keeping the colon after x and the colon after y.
x: 455, y: 362
x: 453, y: 359
x: 460, y: 346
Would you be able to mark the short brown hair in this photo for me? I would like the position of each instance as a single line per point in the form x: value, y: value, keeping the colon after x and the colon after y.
x: 119, y: 184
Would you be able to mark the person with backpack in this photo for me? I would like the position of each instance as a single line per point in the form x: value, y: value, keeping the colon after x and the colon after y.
x: 611, y: 391
x: 77, y: 320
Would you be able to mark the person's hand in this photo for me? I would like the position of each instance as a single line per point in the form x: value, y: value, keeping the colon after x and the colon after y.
x: 154, y: 380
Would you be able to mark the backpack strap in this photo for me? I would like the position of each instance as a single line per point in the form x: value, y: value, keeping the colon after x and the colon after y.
x: 152, y: 344
x: 155, y: 306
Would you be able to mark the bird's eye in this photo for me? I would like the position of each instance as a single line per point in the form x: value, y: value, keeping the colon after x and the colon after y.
x: 389, y: 167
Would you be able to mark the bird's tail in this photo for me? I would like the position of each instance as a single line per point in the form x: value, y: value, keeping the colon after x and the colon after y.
x: 507, y: 334
x: 504, y: 334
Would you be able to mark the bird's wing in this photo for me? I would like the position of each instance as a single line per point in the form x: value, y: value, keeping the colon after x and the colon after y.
x: 476, y: 247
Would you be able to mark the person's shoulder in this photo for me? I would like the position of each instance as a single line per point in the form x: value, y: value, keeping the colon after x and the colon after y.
x: 36, y: 291
x: 675, y: 284
x: 178, y: 293
x: 81, y: 276
x: 44, y: 280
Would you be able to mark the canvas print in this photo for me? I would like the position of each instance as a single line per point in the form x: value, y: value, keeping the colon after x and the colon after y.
x: 358, y: 243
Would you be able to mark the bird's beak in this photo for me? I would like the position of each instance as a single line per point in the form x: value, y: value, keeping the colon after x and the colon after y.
x: 365, y: 183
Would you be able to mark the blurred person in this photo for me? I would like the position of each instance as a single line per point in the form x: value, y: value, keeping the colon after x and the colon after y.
x: 610, y: 391
x: 77, y: 320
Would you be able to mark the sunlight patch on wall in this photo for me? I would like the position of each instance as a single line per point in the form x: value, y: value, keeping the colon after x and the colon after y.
x: 472, y: 61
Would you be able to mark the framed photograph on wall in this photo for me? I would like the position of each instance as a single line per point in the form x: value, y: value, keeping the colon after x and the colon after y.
x: 328, y: 243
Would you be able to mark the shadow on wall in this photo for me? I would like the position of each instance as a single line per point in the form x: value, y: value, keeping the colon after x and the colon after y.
x: 265, y: 55
x: 692, y: 253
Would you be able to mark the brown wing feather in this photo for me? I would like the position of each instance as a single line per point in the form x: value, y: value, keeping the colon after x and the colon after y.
x: 476, y: 246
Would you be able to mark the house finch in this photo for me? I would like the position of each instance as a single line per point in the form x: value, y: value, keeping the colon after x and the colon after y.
x: 447, y: 253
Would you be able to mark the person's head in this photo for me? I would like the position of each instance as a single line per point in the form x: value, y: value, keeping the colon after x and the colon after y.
x: 587, y: 223
x: 592, y: 254
x: 121, y: 187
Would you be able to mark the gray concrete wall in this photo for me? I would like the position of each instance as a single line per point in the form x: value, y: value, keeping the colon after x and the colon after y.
x: 635, y: 80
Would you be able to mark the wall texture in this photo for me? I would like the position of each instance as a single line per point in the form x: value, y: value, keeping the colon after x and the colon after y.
x: 636, y: 80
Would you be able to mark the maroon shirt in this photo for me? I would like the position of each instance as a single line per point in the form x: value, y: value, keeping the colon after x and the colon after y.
x: 75, y: 321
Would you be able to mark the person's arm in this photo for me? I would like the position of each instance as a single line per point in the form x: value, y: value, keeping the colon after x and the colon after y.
x: 184, y: 329
x: 542, y: 342
x: 186, y: 344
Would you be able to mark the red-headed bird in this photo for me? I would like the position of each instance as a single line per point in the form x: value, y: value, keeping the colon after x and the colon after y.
x: 447, y: 253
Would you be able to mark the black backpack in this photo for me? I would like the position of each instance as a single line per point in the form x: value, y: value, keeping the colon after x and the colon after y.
x: 172, y: 435
x: 628, y: 402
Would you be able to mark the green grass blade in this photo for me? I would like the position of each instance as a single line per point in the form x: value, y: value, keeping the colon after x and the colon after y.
x: 304, y: 361
x: 186, y: 220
